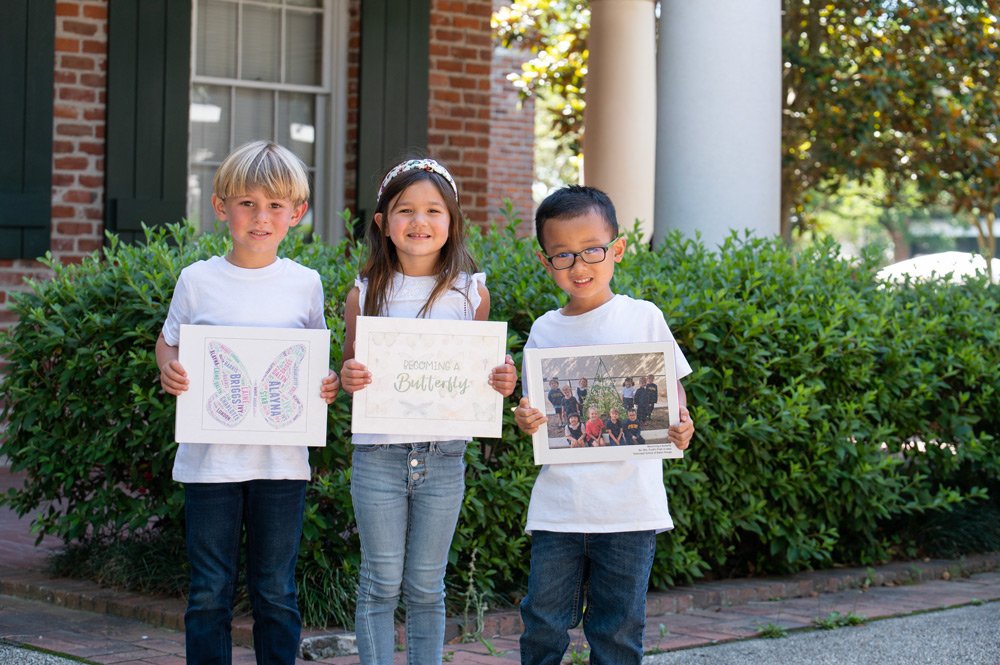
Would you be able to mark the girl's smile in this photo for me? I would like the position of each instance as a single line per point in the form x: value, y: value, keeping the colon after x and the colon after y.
x: 417, y: 222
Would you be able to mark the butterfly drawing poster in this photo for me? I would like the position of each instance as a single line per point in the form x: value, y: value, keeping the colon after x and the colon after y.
x: 256, y: 386
x: 429, y: 377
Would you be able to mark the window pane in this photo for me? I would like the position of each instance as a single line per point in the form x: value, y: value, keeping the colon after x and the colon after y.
x: 261, y: 44
x: 209, y: 123
x: 253, y: 116
x: 199, y: 206
x: 297, y: 125
x: 216, y: 39
x: 306, y: 3
x: 304, y: 40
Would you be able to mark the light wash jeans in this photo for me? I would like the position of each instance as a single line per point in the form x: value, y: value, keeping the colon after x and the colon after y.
x: 407, y: 498
x: 216, y: 515
x: 600, y: 578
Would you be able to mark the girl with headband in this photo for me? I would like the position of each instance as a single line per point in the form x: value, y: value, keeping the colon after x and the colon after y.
x: 408, y: 489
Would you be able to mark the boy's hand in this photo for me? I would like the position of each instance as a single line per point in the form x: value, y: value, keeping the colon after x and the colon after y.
x: 330, y: 387
x: 354, y: 376
x: 681, y: 433
x: 503, y: 377
x: 173, y: 378
x: 528, y: 418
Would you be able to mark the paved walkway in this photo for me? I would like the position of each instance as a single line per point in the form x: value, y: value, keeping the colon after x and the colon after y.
x: 83, y: 620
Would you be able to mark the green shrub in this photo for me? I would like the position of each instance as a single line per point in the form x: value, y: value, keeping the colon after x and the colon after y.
x: 812, y: 388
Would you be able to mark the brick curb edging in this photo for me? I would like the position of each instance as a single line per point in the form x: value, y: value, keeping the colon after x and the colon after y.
x: 169, y: 612
x: 726, y: 593
x: 91, y: 597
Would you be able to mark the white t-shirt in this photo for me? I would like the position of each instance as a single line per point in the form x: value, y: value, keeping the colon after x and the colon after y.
x: 215, y: 292
x: 601, y: 497
x: 406, y: 298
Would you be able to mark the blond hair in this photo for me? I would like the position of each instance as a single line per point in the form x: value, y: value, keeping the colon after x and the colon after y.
x: 262, y: 165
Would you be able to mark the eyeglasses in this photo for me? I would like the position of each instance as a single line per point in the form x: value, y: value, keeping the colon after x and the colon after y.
x: 565, y: 260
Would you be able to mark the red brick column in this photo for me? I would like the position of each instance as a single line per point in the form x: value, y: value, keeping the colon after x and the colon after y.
x: 78, y: 132
x: 512, y: 141
x: 77, y: 144
x: 458, y: 129
x: 353, y: 101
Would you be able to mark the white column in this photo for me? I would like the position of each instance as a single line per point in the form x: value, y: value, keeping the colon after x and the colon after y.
x: 718, y: 148
x: 620, y: 117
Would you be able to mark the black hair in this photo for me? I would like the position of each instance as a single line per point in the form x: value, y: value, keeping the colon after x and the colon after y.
x: 573, y: 201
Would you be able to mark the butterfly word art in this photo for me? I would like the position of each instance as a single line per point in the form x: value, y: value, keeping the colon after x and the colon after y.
x: 253, y: 386
x: 236, y: 395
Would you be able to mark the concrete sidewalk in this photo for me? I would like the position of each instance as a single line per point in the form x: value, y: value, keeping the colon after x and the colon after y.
x: 82, y: 620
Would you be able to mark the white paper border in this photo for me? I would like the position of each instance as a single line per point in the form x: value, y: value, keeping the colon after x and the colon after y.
x: 657, y: 448
x: 257, y: 348
x: 377, y: 408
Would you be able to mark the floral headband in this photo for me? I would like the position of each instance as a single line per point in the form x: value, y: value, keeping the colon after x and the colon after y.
x: 416, y: 165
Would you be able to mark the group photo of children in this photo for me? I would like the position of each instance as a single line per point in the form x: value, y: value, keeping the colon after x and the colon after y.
x: 407, y: 489
x: 589, y: 406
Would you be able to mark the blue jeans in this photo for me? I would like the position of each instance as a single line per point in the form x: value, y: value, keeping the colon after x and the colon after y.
x: 215, y: 515
x: 406, y: 499
x: 606, y: 572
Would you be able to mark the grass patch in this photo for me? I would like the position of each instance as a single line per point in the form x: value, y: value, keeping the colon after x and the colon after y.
x: 771, y: 631
x: 838, y: 620
x: 146, y: 563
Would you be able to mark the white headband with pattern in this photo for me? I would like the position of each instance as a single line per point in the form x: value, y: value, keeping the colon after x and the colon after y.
x: 415, y: 165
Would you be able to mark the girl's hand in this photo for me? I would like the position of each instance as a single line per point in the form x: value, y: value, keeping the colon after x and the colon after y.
x: 330, y: 387
x: 173, y: 378
x: 354, y: 376
x: 681, y: 433
x: 528, y: 419
x: 504, y: 377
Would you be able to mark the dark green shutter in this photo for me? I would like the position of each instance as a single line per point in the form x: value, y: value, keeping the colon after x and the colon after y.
x: 392, y: 119
x: 27, y: 47
x: 149, y: 51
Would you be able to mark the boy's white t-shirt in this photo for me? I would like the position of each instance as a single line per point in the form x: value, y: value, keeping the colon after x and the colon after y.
x: 406, y: 298
x: 601, y: 497
x: 215, y: 292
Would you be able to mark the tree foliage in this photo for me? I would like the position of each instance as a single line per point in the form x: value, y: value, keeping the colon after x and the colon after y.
x: 903, y: 91
x: 555, y: 34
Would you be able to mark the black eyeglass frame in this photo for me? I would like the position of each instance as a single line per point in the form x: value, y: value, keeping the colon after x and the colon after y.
x: 579, y: 255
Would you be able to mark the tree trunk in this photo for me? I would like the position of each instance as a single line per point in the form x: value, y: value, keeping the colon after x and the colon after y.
x: 901, y: 248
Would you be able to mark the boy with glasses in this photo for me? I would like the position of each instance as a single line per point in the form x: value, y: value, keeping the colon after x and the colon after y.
x: 593, y: 525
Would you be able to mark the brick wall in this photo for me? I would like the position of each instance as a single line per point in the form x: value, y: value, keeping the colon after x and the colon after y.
x: 352, y: 102
x: 78, y: 129
x: 77, y: 144
x: 458, y: 132
x: 512, y: 141
x: 460, y: 111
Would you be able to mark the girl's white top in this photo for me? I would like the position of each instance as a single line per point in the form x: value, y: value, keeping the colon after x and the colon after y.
x: 284, y: 294
x: 407, y: 296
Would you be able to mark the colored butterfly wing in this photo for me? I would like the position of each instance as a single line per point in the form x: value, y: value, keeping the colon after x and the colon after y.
x: 276, y: 391
x: 232, y: 389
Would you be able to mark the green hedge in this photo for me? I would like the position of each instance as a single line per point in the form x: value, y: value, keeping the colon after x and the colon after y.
x: 812, y: 387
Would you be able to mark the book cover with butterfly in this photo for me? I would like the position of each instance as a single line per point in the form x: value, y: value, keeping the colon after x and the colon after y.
x: 429, y: 377
x: 256, y: 386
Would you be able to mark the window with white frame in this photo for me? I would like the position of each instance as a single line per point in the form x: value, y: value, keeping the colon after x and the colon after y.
x: 263, y: 69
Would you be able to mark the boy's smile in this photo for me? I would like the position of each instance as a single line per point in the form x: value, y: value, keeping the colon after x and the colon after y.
x: 588, y: 285
x: 257, y: 225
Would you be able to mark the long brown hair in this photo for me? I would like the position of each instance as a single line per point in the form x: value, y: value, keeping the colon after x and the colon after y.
x: 383, y: 260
